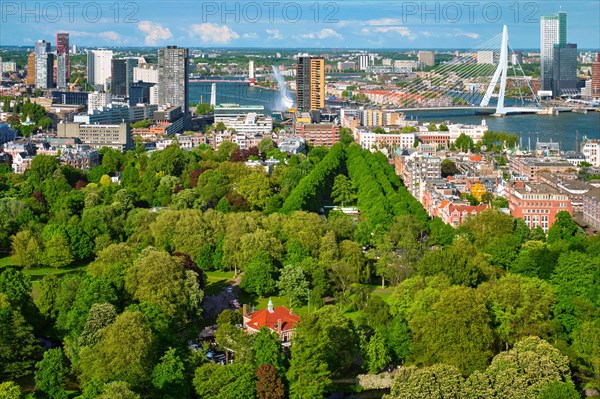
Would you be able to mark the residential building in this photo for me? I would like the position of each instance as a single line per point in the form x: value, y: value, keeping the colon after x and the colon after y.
x: 363, y: 62
x: 485, y: 57
x: 573, y: 188
x: 146, y: 73
x: 310, y: 83
x: 591, y: 208
x: 417, y: 166
x: 99, y: 66
x: 173, y: 86
x: 591, y: 151
x: 44, y: 65
x: 596, y: 78
x: 116, y: 136
x: 117, y: 113
x: 63, y: 65
x: 369, y: 140
x: 553, y: 31
x: 279, y: 320
x: 316, y: 134
x: 426, y: 58
x: 80, y: 159
x: 251, y: 125
x: 456, y: 213
x: 30, y: 80
x: 346, y: 65
x: 536, y: 203
x: 528, y: 168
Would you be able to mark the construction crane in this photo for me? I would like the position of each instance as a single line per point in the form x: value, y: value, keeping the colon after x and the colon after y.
x: 74, y: 84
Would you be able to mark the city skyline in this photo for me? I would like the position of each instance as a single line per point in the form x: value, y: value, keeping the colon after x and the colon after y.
x: 330, y: 25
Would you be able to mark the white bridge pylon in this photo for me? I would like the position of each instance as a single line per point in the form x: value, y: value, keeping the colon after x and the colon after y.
x: 500, y: 74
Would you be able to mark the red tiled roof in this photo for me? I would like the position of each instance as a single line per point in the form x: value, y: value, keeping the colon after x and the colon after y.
x: 260, y: 318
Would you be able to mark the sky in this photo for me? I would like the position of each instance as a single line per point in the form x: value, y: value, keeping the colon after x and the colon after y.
x: 293, y: 24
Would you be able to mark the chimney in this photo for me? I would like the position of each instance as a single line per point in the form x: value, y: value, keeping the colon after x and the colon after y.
x: 279, y: 326
x: 245, y: 313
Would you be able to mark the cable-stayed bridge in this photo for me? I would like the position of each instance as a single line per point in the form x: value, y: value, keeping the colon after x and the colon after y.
x: 486, y: 78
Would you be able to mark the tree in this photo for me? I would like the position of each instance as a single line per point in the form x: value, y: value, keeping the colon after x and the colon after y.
x: 266, y: 145
x: 500, y: 202
x: 10, y: 390
x: 377, y: 353
x: 343, y: 190
x: 564, y: 228
x: 26, y: 249
x: 260, y: 275
x: 168, y: 376
x: 57, y: 253
x: 18, y: 346
x: 267, y: 349
x: 586, y: 341
x: 294, y: 284
x: 51, y: 373
x: 233, y: 381
x: 100, y: 316
x: 204, y: 109
x: 455, y: 330
x: 42, y: 168
x: 559, y: 390
x: 256, y: 188
x: 268, y: 383
x: 158, y: 278
x: 117, y: 390
x: 438, y: 381
x: 464, y: 142
x: 124, y: 352
x: 449, y: 168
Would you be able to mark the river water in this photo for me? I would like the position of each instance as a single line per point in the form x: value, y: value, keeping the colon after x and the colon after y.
x: 562, y: 128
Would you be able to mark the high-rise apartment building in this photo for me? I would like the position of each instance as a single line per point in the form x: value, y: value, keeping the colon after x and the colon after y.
x: 363, y: 62
x: 44, y: 65
x: 564, y: 70
x: 99, y: 66
x: 30, y: 80
x: 553, y: 31
x: 173, y: 86
x: 596, y: 77
x: 426, y: 58
x: 310, y: 83
x: 63, y: 66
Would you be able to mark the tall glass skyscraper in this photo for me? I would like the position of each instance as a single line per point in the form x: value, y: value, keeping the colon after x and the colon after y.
x: 44, y: 64
x: 553, y: 31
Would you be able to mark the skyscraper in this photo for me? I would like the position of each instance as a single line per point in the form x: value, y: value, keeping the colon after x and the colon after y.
x: 553, y: 30
x: 122, y: 76
x: 99, y: 66
x: 63, y: 66
x: 310, y: 83
x: 173, y: 77
x: 426, y: 58
x: 30, y: 69
x: 596, y: 77
x: 564, y: 70
x: 44, y: 65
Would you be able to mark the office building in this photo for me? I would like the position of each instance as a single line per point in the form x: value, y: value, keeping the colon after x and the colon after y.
x: 116, y: 136
x: 310, y: 83
x: 30, y: 80
x: 596, y: 77
x: 564, y: 70
x: 44, y: 65
x: 68, y: 97
x: 122, y: 76
x: 227, y: 113
x: 426, y: 58
x: 553, y: 31
x: 99, y: 66
x: 98, y: 100
x: 140, y: 93
x: 318, y: 134
x: 63, y: 66
x: 173, y: 86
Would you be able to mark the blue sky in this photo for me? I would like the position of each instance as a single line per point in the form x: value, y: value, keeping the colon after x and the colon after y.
x: 294, y: 24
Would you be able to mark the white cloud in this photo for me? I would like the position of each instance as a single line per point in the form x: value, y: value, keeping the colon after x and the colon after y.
x: 383, y: 22
x: 252, y: 35
x: 112, y: 36
x: 403, y: 31
x: 154, y: 32
x: 470, y: 35
x: 274, y: 34
x: 323, y: 34
x: 214, y: 34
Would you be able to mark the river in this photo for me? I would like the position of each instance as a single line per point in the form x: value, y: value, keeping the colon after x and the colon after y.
x: 562, y: 128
